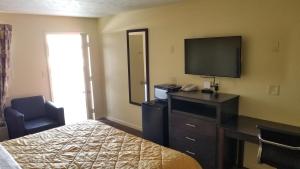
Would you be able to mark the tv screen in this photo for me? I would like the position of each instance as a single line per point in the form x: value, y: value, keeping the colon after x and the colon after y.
x: 218, y: 56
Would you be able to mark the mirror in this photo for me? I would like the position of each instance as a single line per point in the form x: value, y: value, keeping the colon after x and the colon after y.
x: 138, y: 67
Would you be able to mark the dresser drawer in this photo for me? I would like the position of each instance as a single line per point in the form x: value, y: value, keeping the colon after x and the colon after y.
x: 181, y: 146
x: 200, y: 146
x: 182, y: 123
x: 195, y: 137
x: 204, y: 153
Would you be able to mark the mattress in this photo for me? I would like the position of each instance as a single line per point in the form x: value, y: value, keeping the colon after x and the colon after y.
x: 93, y: 144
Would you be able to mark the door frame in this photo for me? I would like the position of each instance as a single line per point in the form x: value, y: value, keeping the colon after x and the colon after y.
x: 86, y: 67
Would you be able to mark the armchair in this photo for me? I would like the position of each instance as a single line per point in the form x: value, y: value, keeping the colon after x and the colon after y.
x: 31, y: 115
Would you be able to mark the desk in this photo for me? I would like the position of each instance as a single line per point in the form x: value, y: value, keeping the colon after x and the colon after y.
x: 244, y: 129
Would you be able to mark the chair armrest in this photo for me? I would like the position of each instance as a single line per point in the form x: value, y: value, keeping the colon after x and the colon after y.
x: 15, y: 122
x: 56, y: 113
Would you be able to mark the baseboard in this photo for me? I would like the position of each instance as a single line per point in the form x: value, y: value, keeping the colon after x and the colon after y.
x: 124, y: 123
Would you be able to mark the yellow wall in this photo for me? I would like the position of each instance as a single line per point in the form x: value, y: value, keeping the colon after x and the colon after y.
x: 262, y: 24
x: 29, y: 71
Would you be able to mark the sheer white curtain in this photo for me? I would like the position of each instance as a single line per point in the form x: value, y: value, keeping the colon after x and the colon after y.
x: 66, y: 65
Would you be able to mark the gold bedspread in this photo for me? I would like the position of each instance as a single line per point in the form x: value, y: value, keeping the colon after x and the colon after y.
x: 93, y: 144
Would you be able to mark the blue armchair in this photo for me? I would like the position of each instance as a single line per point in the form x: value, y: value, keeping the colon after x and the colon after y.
x: 31, y: 115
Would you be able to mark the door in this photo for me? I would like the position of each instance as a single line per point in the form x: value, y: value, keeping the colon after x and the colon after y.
x: 70, y: 75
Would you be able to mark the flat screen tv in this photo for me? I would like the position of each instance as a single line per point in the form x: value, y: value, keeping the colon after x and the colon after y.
x: 216, y: 56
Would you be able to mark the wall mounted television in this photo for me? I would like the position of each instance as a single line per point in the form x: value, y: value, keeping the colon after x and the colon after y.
x: 215, y: 56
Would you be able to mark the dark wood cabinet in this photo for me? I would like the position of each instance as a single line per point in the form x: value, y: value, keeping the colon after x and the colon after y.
x: 194, y: 120
x: 191, y: 135
x: 155, y: 121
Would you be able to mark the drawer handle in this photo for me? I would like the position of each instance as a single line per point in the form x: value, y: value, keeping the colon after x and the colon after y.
x: 191, y: 139
x: 189, y: 152
x: 190, y: 125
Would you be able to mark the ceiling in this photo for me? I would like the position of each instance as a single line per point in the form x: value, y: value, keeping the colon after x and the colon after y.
x: 79, y: 8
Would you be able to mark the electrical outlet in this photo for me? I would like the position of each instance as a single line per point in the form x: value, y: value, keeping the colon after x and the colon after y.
x: 274, y: 90
x: 276, y: 46
x: 206, y: 84
x: 173, y: 80
x: 172, y: 49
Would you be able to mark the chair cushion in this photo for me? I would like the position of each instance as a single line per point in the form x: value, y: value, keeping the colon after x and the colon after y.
x: 40, y: 124
x: 31, y: 107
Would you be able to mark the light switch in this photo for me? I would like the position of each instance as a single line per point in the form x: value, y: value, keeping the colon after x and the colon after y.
x: 274, y: 90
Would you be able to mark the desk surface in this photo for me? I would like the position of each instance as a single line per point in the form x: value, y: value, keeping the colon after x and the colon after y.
x: 244, y: 128
x: 216, y: 98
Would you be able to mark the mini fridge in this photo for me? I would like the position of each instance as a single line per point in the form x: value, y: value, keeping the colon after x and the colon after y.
x: 155, y: 121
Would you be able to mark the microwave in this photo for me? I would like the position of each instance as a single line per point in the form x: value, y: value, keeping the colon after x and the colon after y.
x: 161, y: 91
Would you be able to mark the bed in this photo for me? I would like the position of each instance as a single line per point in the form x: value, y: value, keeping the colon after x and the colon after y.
x: 93, y: 144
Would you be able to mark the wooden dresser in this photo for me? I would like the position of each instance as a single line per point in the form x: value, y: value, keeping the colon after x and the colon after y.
x: 194, y: 121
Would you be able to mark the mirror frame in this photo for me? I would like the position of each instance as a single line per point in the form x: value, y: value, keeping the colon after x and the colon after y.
x: 147, y: 64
